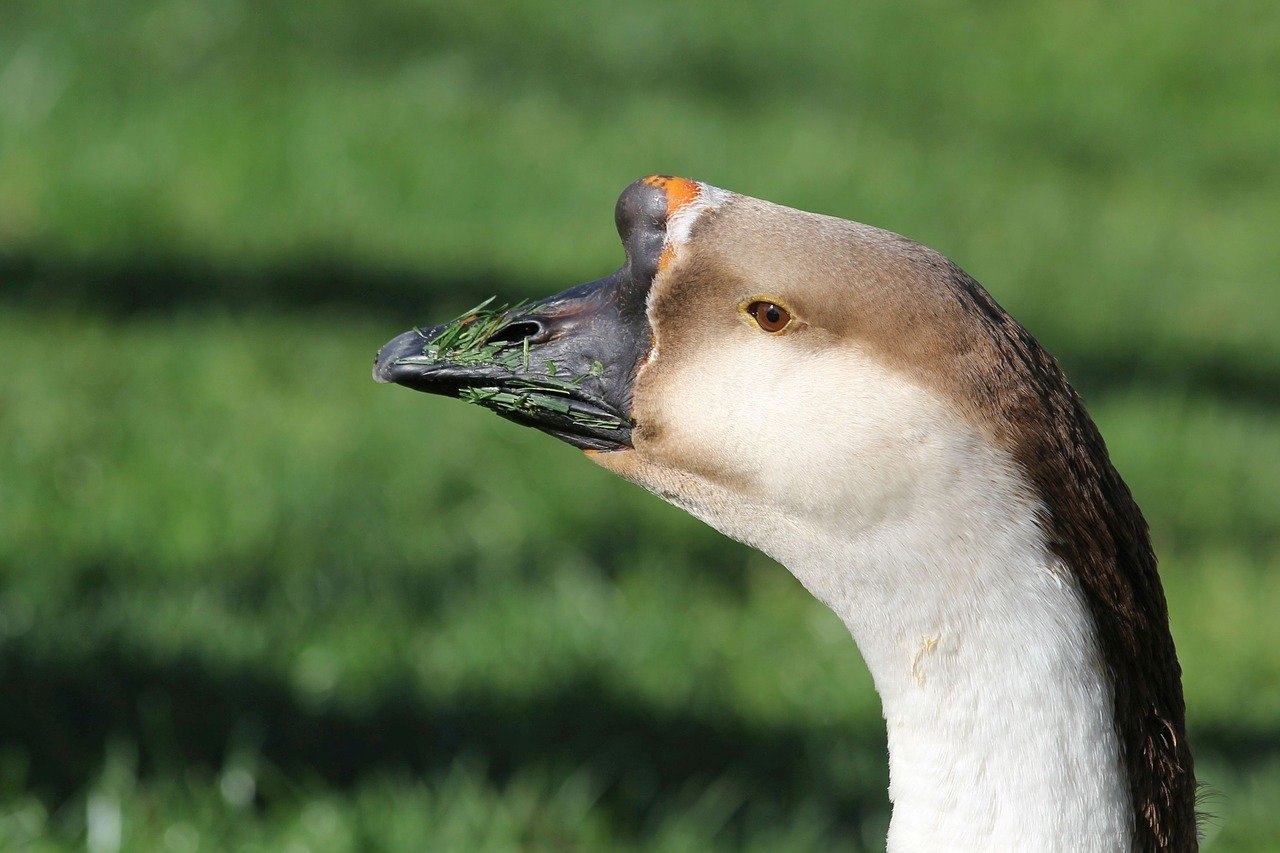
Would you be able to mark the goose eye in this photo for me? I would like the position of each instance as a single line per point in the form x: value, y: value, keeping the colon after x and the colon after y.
x: 768, y: 316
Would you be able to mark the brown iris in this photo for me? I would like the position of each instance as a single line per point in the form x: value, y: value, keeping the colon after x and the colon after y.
x: 768, y: 316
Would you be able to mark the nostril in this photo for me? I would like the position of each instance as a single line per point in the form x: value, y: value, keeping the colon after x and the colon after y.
x: 516, y: 332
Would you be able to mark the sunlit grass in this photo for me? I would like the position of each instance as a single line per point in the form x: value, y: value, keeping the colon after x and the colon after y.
x: 235, y: 497
x: 248, y: 599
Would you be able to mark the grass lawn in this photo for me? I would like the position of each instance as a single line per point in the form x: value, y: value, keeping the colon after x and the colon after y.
x: 250, y: 600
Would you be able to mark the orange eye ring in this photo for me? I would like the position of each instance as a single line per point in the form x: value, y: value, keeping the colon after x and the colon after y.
x: 769, y: 316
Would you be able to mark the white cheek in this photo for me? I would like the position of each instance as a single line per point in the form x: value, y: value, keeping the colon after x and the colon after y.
x: 778, y: 415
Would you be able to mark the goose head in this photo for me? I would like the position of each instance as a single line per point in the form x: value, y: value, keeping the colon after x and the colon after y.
x: 857, y: 407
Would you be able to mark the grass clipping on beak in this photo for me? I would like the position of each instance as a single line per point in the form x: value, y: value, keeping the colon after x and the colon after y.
x: 467, y: 341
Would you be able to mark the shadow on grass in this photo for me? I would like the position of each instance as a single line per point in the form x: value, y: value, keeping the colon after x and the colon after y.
x: 1244, y: 748
x: 60, y: 716
x: 403, y: 297
x: 147, y: 285
x: 182, y: 714
x: 1226, y: 377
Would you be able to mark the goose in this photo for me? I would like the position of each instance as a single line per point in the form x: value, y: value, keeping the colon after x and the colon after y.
x: 857, y: 407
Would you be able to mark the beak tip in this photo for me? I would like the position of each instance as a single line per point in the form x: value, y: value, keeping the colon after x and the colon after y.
x: 380, y: 368
x: 384, y: 363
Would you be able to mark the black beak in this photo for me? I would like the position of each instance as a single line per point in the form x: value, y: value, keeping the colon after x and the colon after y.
x: 564, y: 365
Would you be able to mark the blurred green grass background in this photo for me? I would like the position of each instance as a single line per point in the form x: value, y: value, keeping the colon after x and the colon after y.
x: 250, y: 600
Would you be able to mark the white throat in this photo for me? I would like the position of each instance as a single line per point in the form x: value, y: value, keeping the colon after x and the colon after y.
x: 999, y: 712
x: 923, y: 540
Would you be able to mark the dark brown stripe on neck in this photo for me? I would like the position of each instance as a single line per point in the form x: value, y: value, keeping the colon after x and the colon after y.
x: 1095, y: 527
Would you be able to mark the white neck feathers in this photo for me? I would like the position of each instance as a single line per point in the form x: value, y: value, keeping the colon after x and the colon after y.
x: 998, y: 707
x: 923, y: 539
